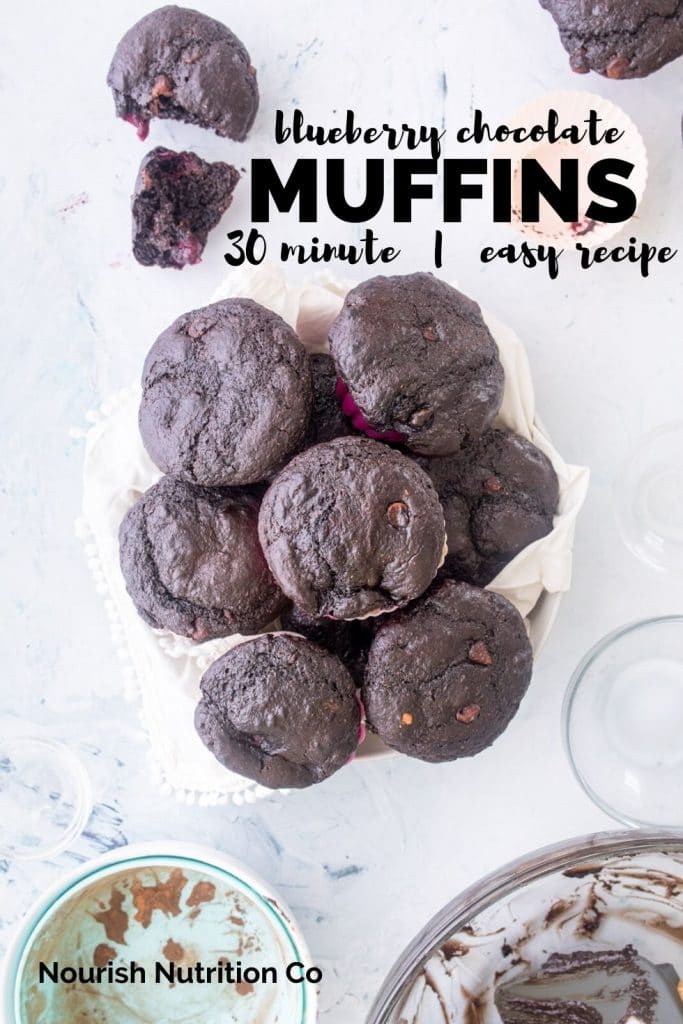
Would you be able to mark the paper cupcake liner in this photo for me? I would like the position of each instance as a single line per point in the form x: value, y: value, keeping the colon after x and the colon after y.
x: 161, y: 670
x: 573, y: 107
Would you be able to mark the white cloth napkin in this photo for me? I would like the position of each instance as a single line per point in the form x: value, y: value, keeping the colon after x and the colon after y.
x: 163, y: 670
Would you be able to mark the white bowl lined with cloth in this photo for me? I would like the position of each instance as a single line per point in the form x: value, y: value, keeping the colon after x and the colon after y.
x: 162, y: 670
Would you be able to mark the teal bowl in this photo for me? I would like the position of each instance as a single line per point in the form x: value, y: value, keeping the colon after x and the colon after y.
x: 151, y: 932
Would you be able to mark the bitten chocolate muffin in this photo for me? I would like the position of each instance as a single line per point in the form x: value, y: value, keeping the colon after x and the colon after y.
x: 619, y: 38
x: 446, y: 676
x: 226, y: 394
x: 349, y: 640
x: 192, y: 562
x: 178, y: 63
x: 327, y: 419
x: 280, y: 710
x: 352, y: 528
x: 178, y: 199
x: 418, y: 362
x: 499, y: 495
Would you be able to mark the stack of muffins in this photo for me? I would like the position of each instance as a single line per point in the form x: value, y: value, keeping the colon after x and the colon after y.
x: 348, y: 509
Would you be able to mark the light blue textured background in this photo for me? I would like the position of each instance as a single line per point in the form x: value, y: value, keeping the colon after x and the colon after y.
x: 367, y: 858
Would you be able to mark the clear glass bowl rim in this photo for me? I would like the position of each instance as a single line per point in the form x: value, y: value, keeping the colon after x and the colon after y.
x: 499, y: 884
x: 641, y: 445
x: 76, y: 773
x: 575, y: 682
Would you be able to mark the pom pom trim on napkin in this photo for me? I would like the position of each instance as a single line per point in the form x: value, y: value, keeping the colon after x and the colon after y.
x: 162, y: 671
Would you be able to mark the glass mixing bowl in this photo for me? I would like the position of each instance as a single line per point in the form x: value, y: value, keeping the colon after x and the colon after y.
x: 45, y: 797
x: 597, y: 882
x: 648, y: 499
x: 623, y: 723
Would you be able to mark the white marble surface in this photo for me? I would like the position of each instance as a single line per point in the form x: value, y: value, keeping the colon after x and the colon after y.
x: 367, y: 858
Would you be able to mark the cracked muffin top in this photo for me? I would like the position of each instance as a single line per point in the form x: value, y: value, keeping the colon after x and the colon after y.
x: 352, y: 528
x: 445, y: 677
x: 192, y: 563
x: 226, y: 394
x: 178, y: 63
x: 619, y: 38
x: 417, y: 362
x: 498, y: 495
x: 280, y: 710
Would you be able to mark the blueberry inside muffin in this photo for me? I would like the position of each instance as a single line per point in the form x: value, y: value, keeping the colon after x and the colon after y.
x: 179, y: 63
x: 178, y: 199
x: 417, y: 364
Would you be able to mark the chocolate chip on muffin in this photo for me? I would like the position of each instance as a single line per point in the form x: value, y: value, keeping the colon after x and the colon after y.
x: 352, y: 528
x: 226, y: 394
x: 446, y: 676
x: 178, y: 199
x: 616, y: 38
x: 192, y: 562
x: 349, y: 639
x: 280, y: 710
x: 417, y: 363
x: 178, y: 63
x: 499, y: 495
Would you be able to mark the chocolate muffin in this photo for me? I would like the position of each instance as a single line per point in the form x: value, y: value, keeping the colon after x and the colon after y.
x: 499, y: 495
x: 418, y: 363
x: 280, y: 710
x: 178, y: 63
x: 226, y: 394
x: 178, y: 199
x: 619, y: 38
x: 446, y: 676
x: 352, y: 528
x: 327, y: 419
x: 349, y: 640
x: 192, y: 562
